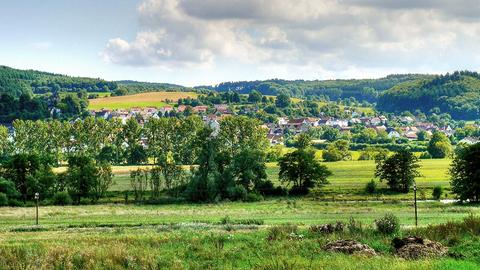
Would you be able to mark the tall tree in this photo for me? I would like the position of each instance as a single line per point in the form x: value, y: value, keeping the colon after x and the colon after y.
x: 398, y: 170
x: 465, y: 173
x: 439, y: 146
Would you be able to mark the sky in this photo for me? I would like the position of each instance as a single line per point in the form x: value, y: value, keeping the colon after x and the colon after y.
x: 200, y: 42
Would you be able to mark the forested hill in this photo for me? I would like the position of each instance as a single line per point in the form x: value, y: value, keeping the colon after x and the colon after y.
x: 457, y: 94
x: 364, y: 89
x: 138, y: 87
x: 16, y: 82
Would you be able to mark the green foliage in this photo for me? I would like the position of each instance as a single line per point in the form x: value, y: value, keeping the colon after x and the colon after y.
x: 337, y: 151
x: 139, y: 180
x: 3, y: 199
x: 399, y: 170
x: 437, y: 192
x: 282, y: 101
x: 303, y: 171
x: 82, y: 177
x: 371, y: 187
x: 439, y: 146
x: 464, y: 172
x: 389, y: 224
x: 281, y: 232
x: 456, y: 94
x: 62, y: 198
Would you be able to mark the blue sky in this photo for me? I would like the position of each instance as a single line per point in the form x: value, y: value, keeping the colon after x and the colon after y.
x: 193, y: 42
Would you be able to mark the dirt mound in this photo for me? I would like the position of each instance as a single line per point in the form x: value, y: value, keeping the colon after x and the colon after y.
x: 349, y: 247
x: 417, y: 248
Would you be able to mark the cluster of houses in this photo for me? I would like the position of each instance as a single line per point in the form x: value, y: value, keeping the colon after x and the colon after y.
x: 409, y: 129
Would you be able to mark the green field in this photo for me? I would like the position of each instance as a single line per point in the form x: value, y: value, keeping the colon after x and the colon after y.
x: 142, y: 100
x: 347, y: 182
x: 193, y: 236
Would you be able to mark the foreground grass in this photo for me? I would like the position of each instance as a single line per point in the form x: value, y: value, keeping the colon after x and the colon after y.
x: 212, y: 245
x: 279, y: 211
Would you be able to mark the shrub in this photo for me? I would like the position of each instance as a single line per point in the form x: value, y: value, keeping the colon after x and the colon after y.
x: 253, y: 197
x: 61, y: 198
x: 3, y: 199
x: 354, y: 226
x: 425, y: 155
x: 389, y: 224
x: 437, y: 192
x: 237, y: 193
x: 281, y: 232
x: 371, y: 187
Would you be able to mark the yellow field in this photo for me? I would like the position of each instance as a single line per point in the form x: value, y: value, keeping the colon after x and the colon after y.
x: 150, y: 99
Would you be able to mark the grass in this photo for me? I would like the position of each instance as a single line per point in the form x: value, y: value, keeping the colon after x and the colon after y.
x: 192, y: 236
x: 346, y: 183
x: 150, y: 99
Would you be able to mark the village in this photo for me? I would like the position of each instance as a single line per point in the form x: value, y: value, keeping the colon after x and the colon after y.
x: 396, y: 127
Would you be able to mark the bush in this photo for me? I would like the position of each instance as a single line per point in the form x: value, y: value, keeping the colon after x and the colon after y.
x: 298, y: 191
x: 266, y: 188
x: 389, y: 224
x: 3, y: 199
x: 371, y: 187
x: 237, y: 193
x: 437, y: 192
x: 61, y: 198
x: 253, y: 197
x: 354, y: 226
x: 425, y: 155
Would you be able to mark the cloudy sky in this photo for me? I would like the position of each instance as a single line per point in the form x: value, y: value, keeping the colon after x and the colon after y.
x: 193, y: 42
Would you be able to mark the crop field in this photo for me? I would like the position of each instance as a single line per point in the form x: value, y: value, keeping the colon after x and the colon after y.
x: 150, y: 99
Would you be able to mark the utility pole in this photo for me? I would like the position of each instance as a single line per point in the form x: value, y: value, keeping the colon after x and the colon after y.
x: 415, y: 202
x: 37, y: 196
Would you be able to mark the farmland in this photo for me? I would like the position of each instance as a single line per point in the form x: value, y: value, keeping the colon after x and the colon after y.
x: 150, y: 99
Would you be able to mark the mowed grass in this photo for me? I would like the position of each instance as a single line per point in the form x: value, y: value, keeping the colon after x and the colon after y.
x: 347, y: 181
x: 142, y: 100
x: 274, y: 211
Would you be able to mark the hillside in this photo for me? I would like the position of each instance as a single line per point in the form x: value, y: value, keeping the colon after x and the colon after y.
x: 457, y: 94
x: 139, y: 87
x: 364, y: 89
x: 17, y: 82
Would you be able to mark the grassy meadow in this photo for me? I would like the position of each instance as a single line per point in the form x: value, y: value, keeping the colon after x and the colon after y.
x: 150, y: 99
x: 217, y: 236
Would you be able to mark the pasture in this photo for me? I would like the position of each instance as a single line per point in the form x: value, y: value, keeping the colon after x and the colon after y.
x: 216, y: 236
x: 346, y: 183
x: 142, y: 100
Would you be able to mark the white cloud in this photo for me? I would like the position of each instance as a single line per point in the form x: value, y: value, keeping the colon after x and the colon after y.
x: 329, y: 35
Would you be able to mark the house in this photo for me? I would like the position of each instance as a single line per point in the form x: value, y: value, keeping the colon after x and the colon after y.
x: 222, y: 109
x: 275, y: 139
x: 411, y: 135
x: 393, y: 134
x: 282, y: 121
x: 200, y: 109
x: 470, y: 140
x: 166, y: 109
x: 181, y: 108
x: 407, y: 119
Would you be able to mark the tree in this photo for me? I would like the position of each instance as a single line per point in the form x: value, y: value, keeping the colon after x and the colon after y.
x: 29, y: 173
x: 254, y: 96
x: 81, y: 177
x: 248, y: 168
x: 337, y: 151
x: 301, y: 169
x: 398, y: 170
x: 103, y: 181
x: 439, y: 146
x: 139, y: 180
x: 282, y: 101
x: 465, y: 173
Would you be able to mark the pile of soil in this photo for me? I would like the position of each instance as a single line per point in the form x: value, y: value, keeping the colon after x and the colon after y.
x: 349, y: 247
x: 418, y: 248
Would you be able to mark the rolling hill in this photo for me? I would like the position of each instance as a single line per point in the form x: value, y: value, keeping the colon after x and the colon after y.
x: 457, y: 94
